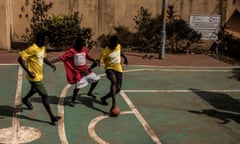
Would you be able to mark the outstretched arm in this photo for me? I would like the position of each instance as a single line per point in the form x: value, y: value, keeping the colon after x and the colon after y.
x: 22, y: 63
x: 94, y: 64
x: 56, y: 60
x: 46, y: 61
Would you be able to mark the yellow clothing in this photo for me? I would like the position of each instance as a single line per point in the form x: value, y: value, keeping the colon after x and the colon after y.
x: 34, y: 57
x: 112, y: 58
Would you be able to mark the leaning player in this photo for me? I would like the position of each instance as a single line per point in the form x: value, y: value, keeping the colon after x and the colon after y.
x: 111, y: 57
x: 77, y: 70
x: 32, y: 59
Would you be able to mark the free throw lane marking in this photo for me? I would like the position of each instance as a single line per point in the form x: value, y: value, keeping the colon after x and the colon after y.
x: 144, y: 123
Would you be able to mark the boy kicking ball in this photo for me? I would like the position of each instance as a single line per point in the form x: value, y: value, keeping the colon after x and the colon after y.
x: 111, y: 57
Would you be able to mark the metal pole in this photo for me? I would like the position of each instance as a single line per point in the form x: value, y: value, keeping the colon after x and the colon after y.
x: 163, y: 30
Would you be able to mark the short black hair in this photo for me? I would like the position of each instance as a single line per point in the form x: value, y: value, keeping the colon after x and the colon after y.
x: 79, y: 43
x: 113, y: 41
x: 40, y: 38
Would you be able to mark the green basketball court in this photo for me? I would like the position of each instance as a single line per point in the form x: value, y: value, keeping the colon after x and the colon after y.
x: 159, y: 105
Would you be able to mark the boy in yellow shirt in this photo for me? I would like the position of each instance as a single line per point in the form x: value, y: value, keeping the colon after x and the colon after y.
x: 111, y: 57
x: 32, y: 60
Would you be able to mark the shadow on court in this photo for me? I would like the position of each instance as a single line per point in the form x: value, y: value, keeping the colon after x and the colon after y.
x: 226, y: 107
x: 80, y: 99
x: 8, y: 111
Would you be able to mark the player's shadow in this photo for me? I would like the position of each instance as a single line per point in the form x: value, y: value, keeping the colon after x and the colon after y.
x: 221, y: 102
x: 236, y: 74
x: 85, y: 100
x: 9, y: 111
x: 80, y: 99
x: 225, y: 117
x: 6, y: 111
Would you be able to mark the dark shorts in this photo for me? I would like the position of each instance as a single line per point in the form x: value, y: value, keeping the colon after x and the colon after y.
x: 39, y: 88
x: 111, y: 73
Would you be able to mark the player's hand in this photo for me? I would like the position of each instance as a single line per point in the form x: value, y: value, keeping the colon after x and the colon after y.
x: 126, y: 62
x: 31, y: 74
x: 98, y: 63
x: 53, y: 67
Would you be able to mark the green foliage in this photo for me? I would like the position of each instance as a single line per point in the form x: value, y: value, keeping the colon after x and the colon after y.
x: 61, y: 30
x: 40, y: 13
x: 146, y: 31
x: 122, y: 32
x: 103, y: 40
x: 180, y: 36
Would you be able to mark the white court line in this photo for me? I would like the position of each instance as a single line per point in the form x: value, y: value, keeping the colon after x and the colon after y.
x: 61, y: 125
x: 188, y: 67
x: 8, y: 64
x: 61, y: 128
x: 180, y: 70
x: 17, y: 134
x: 93, y: 123
x: 144, y: 123
x: 180, y: 91
x: 16, y: 115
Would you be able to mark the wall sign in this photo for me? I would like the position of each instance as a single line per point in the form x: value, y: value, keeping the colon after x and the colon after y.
x: 207, y: 25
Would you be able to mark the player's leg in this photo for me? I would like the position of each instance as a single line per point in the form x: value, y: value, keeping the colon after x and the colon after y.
x: 80, y: 84
x: 48, y: 108
x: 26, y: 100
x: 93, y: 79
x: 119, y: 81
x: 43, y: 93
x: 113, y: 88
x: 92, y: 87
x: 75, y: 92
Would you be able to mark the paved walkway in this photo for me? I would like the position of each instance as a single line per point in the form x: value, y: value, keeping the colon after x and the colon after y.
x: 137, y: 59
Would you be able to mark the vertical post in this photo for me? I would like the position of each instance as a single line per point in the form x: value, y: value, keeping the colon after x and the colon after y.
x: 163, y: 30
x: 9, y: 24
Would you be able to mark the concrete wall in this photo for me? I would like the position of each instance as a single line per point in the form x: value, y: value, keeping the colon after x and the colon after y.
x: 4, y: 25
x: 101, y: 15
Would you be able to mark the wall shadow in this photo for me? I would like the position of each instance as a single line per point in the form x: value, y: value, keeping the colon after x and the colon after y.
x: 226, y: 107
x: 236, y: 74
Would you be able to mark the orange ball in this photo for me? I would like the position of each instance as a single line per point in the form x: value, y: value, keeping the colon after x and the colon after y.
x: 115, y: 111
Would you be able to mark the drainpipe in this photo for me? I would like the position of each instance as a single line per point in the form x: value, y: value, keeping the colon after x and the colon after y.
x: 163, y: 30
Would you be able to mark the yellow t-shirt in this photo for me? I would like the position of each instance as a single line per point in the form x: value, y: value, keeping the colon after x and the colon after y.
x: 34, y: 56
x: 112, y: 58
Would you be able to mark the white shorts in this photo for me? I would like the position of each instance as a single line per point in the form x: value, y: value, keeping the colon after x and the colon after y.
x: 88, y: 79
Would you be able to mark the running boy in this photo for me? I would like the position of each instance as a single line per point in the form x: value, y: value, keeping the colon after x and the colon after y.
x: 32, y: 60
x: 77, y: 70
x: 111, y: 57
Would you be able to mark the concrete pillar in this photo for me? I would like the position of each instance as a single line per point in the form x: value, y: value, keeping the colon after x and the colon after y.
x: 5, y: 40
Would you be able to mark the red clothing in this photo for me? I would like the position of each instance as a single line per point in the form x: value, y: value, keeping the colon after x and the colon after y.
x: 74, y: 63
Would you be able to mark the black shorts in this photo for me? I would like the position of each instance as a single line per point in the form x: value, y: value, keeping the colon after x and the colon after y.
x: 111, y: 73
